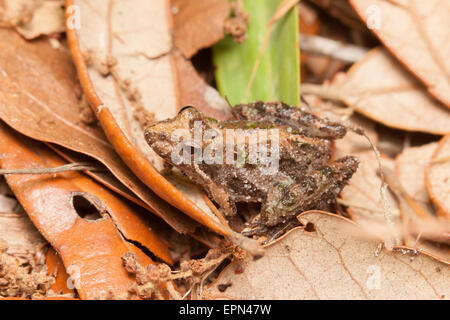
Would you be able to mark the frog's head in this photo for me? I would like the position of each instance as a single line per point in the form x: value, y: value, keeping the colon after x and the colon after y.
x: 169, y: 136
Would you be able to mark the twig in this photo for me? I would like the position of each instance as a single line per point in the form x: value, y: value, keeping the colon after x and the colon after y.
x: 383, y: 188
x: 331, y: 48
x: 79, y: 166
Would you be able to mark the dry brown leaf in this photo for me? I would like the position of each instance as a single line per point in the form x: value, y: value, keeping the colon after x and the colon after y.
x: 22, y: 258
x: 104, y: 177
x: 331, y: 262
x: 381, y: 89
x: 410, y: 168
x: 87, y: 240
x: 20, y: 235
x: 129, y: 63
x: 21, y: 152
x: 363, y: 193
x: 198, y: 24
x: 341, y: 10
x: 194, y: 91
x: 418, y: 218
x: 7, y: 204
x: 56, y: 268
x: 437, y: 177
x: 33, y: 18
x: 416, y: 32
x: 38, y: 99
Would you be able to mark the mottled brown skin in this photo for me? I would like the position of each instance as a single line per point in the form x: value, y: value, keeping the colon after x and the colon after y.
x: 280, y: 113
x: 305, y: 179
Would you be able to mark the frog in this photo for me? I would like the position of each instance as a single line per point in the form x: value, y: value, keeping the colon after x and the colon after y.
x: 305, y: 177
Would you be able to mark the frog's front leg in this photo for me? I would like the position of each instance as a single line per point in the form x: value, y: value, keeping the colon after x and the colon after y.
x: 223, y: 199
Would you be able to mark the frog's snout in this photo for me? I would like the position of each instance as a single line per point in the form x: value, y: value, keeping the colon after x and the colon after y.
x: 155, y: 133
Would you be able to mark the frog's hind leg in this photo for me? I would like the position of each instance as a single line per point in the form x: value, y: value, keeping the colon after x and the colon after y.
x: 315, y: 191
x: 300, y: 119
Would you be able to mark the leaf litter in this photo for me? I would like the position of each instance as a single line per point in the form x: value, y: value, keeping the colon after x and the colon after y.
x: 38, y: 100
x: 417, y: 189
x: 332, y: 259
x: 23, y: 273
x: 425, y: 25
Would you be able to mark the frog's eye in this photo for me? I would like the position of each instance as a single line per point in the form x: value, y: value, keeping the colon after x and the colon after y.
x: 185, y: 108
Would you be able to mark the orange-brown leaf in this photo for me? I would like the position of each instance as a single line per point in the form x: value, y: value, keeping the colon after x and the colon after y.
x: 90, y: 249
x: 198, y: 24
x: 437, y: 177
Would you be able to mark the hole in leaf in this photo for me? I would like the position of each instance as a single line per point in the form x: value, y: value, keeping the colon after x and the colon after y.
x: 223, y: 287
x: 85, y: 208
x: 310, y: 227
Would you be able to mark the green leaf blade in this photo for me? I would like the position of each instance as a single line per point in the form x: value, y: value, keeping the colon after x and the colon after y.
x: 278, y: 74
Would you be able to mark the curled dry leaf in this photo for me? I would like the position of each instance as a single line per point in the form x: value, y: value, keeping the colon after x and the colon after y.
x: 363, y: 194
x: 125, y: 216
x: 79, y: 219
x: 437, y: 177
x: 416, y: 32
x: 38, y: 99
x: 329, y: 260
x: 194, y: 91
x: 19, y: 234
x: 198, y: 24
x: 105, y: 176
x: 33, y: 18
x: 421, y: 230
x: 410, y: 168
x: 126, y: 69
x: 56, y: 268
x: 391, y: 96
x: 7, y: 204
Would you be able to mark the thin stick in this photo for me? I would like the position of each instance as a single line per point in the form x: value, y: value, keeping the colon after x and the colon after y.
x: 79, y: 166
x: 331, y: 48
x: 383, y: 188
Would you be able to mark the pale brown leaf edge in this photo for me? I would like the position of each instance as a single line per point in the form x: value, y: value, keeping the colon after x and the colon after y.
x: 442, y: 210
x: 364, y: 234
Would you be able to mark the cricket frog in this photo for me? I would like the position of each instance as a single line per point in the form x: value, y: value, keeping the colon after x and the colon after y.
x: 271, y: 153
